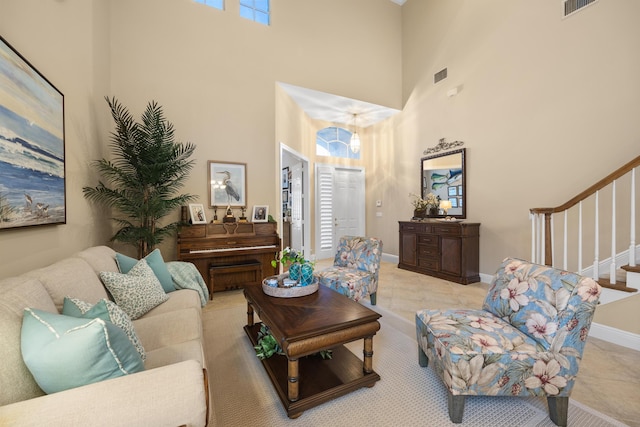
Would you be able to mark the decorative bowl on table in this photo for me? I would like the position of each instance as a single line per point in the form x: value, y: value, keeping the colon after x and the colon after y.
x: 282, y: 287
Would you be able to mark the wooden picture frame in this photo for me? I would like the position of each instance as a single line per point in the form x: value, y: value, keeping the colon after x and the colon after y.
x: 197, y: 214
x: 285, y: 177
x: 227, y: 183
x: 260, y: 213
x: 32, y: 165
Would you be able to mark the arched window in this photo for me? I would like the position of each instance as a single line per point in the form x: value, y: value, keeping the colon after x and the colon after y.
x: 334, y: 141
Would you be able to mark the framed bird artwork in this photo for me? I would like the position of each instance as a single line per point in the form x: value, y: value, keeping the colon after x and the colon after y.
x: 227, y: 184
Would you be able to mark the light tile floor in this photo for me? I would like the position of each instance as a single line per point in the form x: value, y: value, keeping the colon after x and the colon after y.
x: 609, y: 377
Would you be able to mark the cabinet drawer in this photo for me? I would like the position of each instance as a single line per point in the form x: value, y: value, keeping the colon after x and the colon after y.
x: 447, y: 230
x: 428, y: 263
x: 427, y: 251
x: 414, y: 227
x: 428, y: 239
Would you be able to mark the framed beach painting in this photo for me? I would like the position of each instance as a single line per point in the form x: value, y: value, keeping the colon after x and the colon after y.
x: 227, y: 184
x: 32, y: 162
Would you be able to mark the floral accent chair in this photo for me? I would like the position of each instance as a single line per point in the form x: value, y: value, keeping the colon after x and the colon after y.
x: 527, y: 340
x: 355, y: 268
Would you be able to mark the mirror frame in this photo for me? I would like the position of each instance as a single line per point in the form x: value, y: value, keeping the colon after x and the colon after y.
x: 463, y: 197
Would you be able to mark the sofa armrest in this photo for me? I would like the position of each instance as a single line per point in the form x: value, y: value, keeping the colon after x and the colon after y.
x: 168, y: 396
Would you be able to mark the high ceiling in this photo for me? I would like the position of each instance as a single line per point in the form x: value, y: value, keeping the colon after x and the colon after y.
x: 337, y: 109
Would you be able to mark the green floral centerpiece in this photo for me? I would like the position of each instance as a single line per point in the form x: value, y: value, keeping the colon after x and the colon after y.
x: 300, y: 269
x: 425, y: 207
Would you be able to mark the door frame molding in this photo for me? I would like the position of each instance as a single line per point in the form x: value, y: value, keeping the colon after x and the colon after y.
x: 306, y: 198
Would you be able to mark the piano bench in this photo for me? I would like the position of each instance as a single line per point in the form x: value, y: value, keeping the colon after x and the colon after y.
x: 228, y: 276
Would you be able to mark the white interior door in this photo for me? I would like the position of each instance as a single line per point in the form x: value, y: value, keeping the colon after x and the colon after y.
x: 340, y: 197
x: 297, y: 211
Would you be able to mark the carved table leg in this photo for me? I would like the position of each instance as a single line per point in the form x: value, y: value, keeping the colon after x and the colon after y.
x: 368, y: 355
x: 292, y: 386
x: 249, y: 314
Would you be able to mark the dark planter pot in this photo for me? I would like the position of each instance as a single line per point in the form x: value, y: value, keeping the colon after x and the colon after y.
x: 420, y: 213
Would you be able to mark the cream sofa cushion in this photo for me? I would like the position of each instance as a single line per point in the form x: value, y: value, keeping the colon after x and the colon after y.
x: 182, y: 298
x: 100, y: 258
x: 72, y: 277
x: 16, y: 294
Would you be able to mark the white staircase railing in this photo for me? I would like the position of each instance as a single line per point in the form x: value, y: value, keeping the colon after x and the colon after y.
x: 576, y: 241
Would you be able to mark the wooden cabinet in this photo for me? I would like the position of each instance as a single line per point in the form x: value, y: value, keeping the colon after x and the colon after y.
x: 449, y: 251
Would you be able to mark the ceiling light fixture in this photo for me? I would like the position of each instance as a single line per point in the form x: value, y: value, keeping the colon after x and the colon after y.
x: 354, y: 144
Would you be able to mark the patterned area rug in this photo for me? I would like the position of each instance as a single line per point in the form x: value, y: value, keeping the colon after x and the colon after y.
x: 406, y: 395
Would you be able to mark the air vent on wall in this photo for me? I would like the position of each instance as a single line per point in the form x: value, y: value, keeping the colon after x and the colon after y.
x: 440, y: 75
x: 572, y: 6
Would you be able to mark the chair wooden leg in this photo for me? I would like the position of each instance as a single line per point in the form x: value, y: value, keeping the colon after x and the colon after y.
x: 456, y: 407
x: 372, y: 298
x: 423, y: 360
x: 558, y: 409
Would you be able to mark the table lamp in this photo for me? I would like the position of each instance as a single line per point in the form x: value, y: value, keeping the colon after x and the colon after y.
x: 445, y: 205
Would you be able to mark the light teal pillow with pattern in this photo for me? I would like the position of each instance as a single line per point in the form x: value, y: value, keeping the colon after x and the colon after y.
x: 64, y: 352
x: 157, y: 264
x: 105, y: 310
x: 136, y: 292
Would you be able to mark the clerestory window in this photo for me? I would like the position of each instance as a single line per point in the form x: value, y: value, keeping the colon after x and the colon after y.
x: 218, y: 4
x: 334, y: 141
x: 256, y: 10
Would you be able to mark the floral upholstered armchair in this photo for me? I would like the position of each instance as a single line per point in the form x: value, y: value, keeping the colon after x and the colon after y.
x: 527, y: 340
x: 355, y: 268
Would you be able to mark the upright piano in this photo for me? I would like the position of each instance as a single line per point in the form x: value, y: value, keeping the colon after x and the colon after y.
x: 230, y: 255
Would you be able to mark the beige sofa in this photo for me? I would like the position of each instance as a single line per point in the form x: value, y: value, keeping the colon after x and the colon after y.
x: 171, y: 391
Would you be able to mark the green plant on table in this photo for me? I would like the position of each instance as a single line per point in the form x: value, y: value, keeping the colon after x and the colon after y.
x: 289, y: 255
x: 268, y: 346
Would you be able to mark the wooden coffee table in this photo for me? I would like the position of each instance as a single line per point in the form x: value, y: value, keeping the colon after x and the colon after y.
x: 303, y: 326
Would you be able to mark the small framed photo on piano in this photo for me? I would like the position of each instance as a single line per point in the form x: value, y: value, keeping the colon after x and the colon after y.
x: 196, y: 211
x: 260, y: 213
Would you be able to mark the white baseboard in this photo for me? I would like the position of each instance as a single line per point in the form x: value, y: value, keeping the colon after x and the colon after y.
x: 615, y: 336
x: 390, y: 258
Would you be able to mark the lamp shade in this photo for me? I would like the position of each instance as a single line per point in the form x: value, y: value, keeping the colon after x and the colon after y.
x: 445, y: 205
x: 354, y: 144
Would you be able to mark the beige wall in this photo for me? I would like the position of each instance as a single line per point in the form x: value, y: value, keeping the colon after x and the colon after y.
x: 215, y: 73
x: 67, y: 41
x: 546, y: 107
x: 623, y: 314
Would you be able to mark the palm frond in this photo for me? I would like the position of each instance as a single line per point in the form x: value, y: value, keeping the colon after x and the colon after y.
x: 146, y: 171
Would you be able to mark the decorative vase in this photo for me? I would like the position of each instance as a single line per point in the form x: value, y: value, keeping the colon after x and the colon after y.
x: 306, y: 274
x: 419, y: 213
x: 294, y: 271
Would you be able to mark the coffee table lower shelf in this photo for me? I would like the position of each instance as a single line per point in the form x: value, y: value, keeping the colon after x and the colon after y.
x: 320, y: 380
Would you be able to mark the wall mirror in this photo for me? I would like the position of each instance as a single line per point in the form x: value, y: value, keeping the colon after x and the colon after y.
x: 444, y: 175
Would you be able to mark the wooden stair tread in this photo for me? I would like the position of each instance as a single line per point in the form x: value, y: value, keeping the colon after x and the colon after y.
x: 635, y: 269
x: 619, y: 286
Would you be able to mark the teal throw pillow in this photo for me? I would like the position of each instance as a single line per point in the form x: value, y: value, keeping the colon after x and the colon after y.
x: 155, y: 261
x: 105, y: 310
x: 64, y: 352
x: 136, y: 292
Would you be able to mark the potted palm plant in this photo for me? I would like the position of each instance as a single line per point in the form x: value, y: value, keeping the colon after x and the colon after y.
x: 142, y: 179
